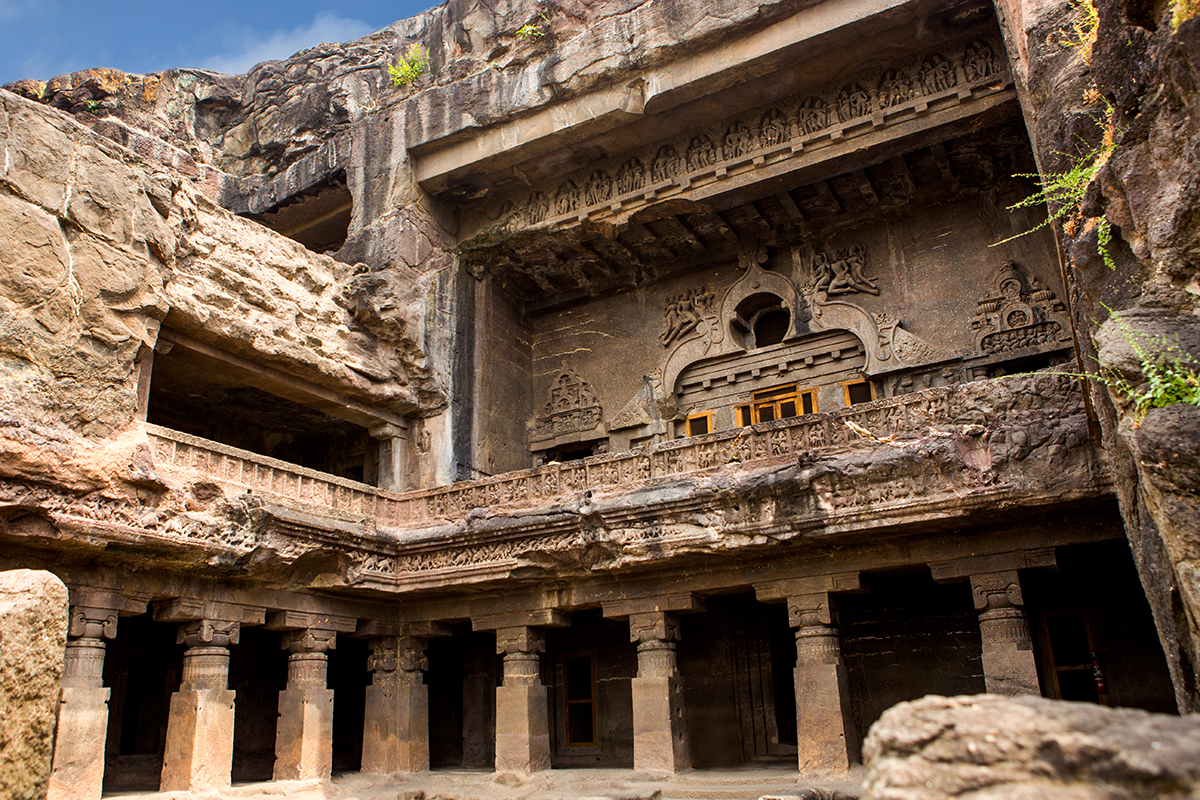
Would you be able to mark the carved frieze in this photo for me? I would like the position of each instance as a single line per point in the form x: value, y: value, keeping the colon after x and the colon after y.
x: 1016, y: 315
x: 779, y: 131
x: 571, y: 409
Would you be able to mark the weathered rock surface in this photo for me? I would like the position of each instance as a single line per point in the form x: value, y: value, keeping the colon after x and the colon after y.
x: 988, y: 747
x: 1138, y: 83
x: 33, y: 633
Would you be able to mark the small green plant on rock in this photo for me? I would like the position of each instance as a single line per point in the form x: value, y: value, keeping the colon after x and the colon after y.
x: 1172, y: 376
x: 534, y: 30
x: 93, y: 106
x: 1062, y: 193
x: 412, y: 66
x: 1083, y: 28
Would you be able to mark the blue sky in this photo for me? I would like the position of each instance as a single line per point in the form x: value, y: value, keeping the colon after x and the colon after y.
x: 44, y: 38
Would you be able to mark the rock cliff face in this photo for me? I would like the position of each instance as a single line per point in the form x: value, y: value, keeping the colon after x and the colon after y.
x: 1129, y: 89
x: 100, y: 247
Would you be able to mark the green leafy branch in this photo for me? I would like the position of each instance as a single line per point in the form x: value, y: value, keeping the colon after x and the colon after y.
x: 412, y: 65
x: 1062, y: 194
x: 1082, y: 30
x: 1171, y: 375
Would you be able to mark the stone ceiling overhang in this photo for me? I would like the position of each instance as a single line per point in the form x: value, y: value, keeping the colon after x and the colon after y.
x: 741, y: 72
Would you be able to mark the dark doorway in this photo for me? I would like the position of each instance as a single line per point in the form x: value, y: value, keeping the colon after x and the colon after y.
x: 907, y: 637
x: 348, y: 678
x: 257, y: 673
x: 463, y: 674
x: 142, y: 667
x: 736, y: 660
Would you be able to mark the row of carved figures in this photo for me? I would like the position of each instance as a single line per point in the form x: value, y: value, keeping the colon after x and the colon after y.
x: 776, y: 126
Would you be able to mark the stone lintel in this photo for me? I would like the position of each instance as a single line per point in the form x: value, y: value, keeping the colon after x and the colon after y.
x: 537, y: 618
x: 678, y: 603
x: 423, y: 630
x: 186, y: 609
x: 303, y: 620
x: 123, y: 603
x: 779, y: 590
x: 958, y: 569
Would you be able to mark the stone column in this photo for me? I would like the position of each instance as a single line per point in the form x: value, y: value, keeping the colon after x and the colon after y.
x: 78, y: 770
x: 826, y: 738
x: 304, y: 736
x: 659, y: 727
x: 396, y: 728
x: 1008, y: 663
x: 199, y: 749
x: 522, y: 707
x: 392, y: 440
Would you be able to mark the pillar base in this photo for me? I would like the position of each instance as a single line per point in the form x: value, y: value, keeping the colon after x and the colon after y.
x: 304, y: 738
x: 826, y: 742
x: 522, y: 729
x: 199, y: 749
x: 659, y: 730
x: 396, y: 731
x: 78, y: 771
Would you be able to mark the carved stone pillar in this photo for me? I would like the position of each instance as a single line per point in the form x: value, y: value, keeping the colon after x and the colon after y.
x: 659, y: 727
x: 396, y: 728
x: 78, y: 767
x: 1008, y: 663
x: 392, y: 441
x: 522, y: 707
x: 824, y: 726
x: 199, y: 748
x: 304, y: 736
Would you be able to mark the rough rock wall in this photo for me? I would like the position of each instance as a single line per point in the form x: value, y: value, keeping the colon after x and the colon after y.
x: 1135, y: 83
x: 99, y: 248
x: 33, y: 636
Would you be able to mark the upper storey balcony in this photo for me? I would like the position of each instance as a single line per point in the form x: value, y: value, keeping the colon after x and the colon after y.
x: 891, y: 469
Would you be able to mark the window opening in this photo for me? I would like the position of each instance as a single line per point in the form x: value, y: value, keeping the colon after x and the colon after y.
x: 780, y: 402
x: 771, y: 327
x: 580, y: 688
x: 699, y: 424
x: 860, y: 391
x: 1076, y: 665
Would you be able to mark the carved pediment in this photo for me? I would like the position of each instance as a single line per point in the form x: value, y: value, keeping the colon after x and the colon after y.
x: 1018, y: 314
x: 571, y: 409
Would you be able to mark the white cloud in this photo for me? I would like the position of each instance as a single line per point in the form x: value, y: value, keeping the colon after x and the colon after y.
x: 253, y: 48
x: 11, y: 9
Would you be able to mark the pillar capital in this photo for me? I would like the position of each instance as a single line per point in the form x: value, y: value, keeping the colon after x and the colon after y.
x: 204, y: 633
x: 995, y: 590
x: 309, y: 640
x: 653, y: 626
x: 811, y: 611
x: 90, y: 622
x: 524, y: 640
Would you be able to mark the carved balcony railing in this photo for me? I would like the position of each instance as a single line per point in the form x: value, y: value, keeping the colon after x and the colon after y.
x: 1011, y: 402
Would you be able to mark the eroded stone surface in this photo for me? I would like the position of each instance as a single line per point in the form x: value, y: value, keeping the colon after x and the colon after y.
x: 992, y: 747
x: 33, y: 633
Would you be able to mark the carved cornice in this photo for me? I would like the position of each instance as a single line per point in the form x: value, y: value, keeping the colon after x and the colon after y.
x: 786, y: 133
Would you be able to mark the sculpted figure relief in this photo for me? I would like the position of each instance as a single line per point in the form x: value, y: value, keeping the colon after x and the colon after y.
x: 844, y: 273
x: 684, y: 313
